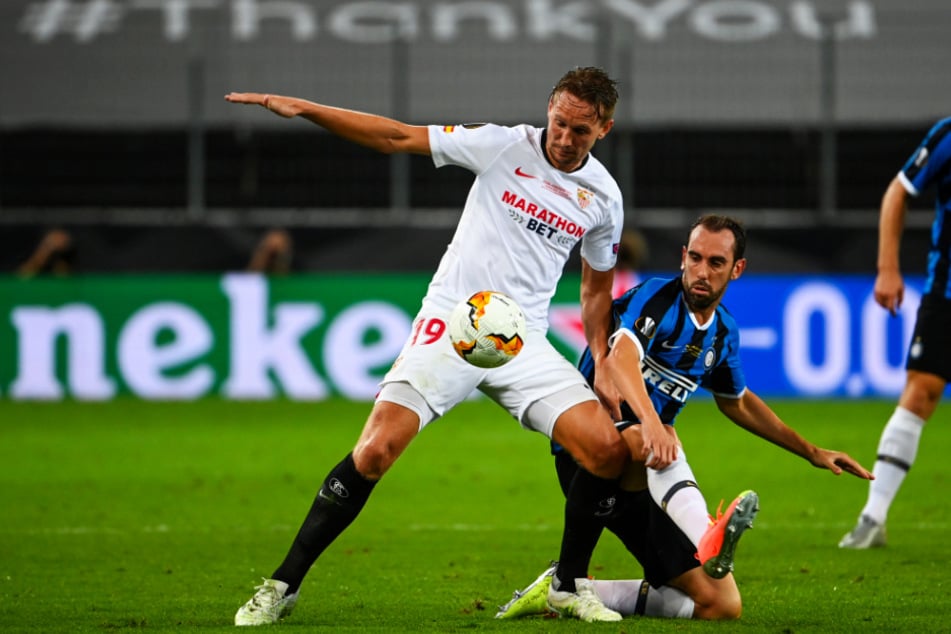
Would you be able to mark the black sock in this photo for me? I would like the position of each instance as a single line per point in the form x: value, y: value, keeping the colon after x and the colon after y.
x: 338, y: 502
x: 589, y: 502
x: 622, y: 523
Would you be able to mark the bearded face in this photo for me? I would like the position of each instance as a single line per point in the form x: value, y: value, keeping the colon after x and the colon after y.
x: 708, y: 266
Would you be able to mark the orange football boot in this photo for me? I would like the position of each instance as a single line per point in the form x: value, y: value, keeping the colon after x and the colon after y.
x: 718, y: 544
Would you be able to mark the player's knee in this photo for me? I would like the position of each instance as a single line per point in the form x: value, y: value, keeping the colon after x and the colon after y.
x: 387, y: 433
x: 587, y: 432
x: 714, y: 600
x: 374, y: 457
x: 922, y: 394
x: 607, y: 458
x: 725, y: 605
x: 728, y: 608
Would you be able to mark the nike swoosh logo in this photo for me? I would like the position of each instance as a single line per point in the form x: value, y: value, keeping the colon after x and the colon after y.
x: 519, y: 172
x: 668, y: 345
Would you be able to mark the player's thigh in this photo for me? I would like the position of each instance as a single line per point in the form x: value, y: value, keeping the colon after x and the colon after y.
x: 929, y: 358
x: 432, y: 368
x: 930, y: 349
x: 539, y: 378
x: 586, y: 431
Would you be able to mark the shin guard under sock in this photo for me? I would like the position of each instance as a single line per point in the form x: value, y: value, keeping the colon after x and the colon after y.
x: 338, y: 502
x: 897, y: 450
x: 675, y: 490
x: 589, y: 502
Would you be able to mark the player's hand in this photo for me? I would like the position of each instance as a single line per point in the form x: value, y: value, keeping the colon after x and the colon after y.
x: 274, y: 103
x: 889, y: 290
x: 837, y: 462
x: 660, y: 445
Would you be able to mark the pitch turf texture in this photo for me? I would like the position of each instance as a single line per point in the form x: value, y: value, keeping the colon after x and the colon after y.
x: 163, y: 516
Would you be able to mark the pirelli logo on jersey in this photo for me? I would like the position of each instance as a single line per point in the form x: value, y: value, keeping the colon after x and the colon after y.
x: 666, y: 381
x: 540, y: 220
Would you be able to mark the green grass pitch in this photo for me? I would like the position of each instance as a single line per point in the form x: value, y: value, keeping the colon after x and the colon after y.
x: 163, y: 516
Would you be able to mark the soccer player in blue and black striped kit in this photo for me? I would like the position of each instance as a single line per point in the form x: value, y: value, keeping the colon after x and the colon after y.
x: 929, y: 356
x: 670, y: 338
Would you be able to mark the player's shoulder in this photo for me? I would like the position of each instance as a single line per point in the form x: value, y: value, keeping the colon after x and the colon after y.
x: 656, y: 284
x: 483, y: 130
x: 727, y: 319
x: 665, y: 289
x: 942, y: 124
x: 519, y: 132
x: 599, y: 178
x: 475, y: 143
x: 651, y: 283
x: 940, y: 133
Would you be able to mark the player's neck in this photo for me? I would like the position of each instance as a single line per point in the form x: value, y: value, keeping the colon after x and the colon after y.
x: 704, y: 316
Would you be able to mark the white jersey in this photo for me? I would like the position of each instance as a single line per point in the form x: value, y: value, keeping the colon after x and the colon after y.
x: 522, y: 218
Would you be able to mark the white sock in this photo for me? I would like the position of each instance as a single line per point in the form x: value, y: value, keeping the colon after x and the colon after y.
x: 675, y: 490
x: 636, y: 597
x: 896, y: 454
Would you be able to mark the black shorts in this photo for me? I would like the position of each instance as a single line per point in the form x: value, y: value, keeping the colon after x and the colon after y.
x: 930, y: 349
x: 648, y: 533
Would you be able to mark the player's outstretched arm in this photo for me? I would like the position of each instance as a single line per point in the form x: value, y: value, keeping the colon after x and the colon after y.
x: 378, y: 133
x: 752, y: 414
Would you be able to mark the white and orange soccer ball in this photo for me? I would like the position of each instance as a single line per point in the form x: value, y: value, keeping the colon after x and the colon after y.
x: 488, y: 329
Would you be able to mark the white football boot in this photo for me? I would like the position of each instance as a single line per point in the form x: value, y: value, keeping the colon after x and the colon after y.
x: 585, y: 604
x: 269, y: 604
x: 866, y: 534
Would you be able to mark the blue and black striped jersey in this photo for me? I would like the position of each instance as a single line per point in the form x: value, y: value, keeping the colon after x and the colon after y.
x: 678, y: 355
x: 931, y: 165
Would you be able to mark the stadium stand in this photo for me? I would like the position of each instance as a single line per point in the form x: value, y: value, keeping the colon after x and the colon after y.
x: 113, y: 119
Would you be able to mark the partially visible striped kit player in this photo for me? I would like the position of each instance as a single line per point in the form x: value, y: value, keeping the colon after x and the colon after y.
x: 929, y: 352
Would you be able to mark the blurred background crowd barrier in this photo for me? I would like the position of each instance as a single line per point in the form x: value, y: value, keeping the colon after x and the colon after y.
x: 791, y: 114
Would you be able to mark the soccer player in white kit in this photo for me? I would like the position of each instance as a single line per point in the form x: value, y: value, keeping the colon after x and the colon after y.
x: 537, y: 193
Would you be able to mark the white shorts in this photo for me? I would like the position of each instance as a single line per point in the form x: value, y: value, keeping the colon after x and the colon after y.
x: 442, y: 379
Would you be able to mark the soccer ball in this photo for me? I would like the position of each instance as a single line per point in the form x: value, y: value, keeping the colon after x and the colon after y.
x: 488, y: 329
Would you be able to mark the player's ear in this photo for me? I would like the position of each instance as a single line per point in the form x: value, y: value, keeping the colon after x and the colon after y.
x: 683, y: 257
x: 607, y: 128
x: 738, y: 267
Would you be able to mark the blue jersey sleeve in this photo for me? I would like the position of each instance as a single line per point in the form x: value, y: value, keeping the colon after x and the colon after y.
x: 642, y: 309
x: 930, y: 167
x: 931, y: 161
